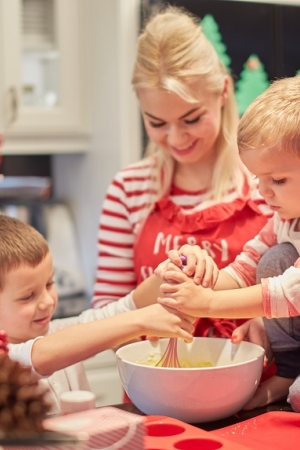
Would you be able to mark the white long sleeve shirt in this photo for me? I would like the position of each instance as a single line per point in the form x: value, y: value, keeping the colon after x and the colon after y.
x: 73, y: 377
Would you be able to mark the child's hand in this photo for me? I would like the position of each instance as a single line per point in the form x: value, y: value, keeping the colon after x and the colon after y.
x: 199, y: 264
x: 167, y: 322
x: 180, y: 292
x: 166, y: 265
x: 254, y: 331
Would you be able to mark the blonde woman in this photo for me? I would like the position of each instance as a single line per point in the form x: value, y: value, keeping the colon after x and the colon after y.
x: 191, y: 186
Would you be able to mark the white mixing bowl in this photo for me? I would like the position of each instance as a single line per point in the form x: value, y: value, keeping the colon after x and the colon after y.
x: 192, y: 395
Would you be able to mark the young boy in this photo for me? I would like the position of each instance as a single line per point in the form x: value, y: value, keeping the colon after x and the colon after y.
x: 55, y: 349
x: 269, y: 146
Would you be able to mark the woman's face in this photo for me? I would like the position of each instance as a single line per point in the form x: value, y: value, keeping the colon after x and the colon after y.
x: 188, y: 131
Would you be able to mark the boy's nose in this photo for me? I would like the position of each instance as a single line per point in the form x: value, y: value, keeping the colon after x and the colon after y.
x: 46, y: 300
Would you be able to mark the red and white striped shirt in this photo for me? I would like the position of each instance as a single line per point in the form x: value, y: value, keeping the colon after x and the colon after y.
x: 281, y: 294
x: 125, y: 205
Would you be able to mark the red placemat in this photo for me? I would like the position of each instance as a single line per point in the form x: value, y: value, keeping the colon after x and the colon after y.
x: 278, y: 430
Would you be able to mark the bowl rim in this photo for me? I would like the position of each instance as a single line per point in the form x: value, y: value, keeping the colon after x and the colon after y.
x: 205, y: 368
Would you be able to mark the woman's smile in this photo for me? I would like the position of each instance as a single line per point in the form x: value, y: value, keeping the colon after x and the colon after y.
x: 184, y: 150
x: 178, y: 126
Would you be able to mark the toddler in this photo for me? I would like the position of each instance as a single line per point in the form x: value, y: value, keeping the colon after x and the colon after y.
x: 268, y: 269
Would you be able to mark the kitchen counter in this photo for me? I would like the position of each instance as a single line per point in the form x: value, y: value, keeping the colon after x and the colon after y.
x: 239, y: 417
x: 272, y: 427
x: 282, y: 434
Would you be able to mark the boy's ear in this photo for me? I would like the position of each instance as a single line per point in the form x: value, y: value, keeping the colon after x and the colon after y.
x: 225, y: 91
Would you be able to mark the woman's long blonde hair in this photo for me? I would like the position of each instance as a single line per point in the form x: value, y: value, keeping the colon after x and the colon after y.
x: 172, y: 53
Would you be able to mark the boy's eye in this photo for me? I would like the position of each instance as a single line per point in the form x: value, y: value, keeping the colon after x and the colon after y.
x: 191, y: 121
x: 281, y: 181
x: 28, y: 297
x: 51, y: 283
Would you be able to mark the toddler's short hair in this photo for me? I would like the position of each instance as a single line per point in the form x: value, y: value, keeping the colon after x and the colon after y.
x: 273, y: 118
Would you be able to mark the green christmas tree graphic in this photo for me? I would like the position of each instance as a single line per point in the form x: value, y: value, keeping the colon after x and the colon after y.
x: 253, y: 81
x: 211, y: 30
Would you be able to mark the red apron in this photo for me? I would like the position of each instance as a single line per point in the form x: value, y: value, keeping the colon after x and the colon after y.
x: 222, y: 230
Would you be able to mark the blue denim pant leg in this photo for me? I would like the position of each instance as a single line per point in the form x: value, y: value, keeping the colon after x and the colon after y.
x: 283, y: 334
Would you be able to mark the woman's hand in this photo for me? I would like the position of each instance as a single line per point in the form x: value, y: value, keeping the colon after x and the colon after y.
x: 199, y: 264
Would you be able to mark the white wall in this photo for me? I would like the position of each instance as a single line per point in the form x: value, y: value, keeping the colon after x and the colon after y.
x: 82, y: 180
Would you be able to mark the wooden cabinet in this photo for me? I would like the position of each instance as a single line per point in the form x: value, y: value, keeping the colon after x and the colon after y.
x: 43, y: 78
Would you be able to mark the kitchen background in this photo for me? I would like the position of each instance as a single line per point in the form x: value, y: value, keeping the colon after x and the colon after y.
x: 71, y: 120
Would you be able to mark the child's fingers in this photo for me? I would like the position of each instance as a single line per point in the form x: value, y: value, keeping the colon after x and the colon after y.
x: 152, y: 338
x: 188, y: 337
x: 241, y: 333
x: 174, y: 257
x: 209, y: 274
x: 200, y: 265
x: 172, y: 267
x: 161, y: 268
x: 215, y: 277
x: 168, y: 288
x: 237, y: 337
x: 174, y: 276
x: 186, y: 318
x: 168, y: 301
x: 190, y: 254
x: 164, y: 267
x: 210, y: 277
x: 191, y: 258
x: 188, y: 326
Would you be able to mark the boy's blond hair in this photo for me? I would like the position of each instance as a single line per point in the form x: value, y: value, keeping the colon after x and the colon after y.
x: 172, y: 53
x: 273, y: 118
x: 20, y: 244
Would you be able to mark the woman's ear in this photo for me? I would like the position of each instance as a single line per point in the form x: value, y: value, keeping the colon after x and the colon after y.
x: 225, y: 90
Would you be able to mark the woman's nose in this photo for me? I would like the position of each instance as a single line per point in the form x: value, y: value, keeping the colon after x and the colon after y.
x: 177, y: 136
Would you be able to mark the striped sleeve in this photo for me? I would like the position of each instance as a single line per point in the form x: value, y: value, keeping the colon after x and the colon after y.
x: 281, y: 296
x: 124, y: 206
x: 244, y: 267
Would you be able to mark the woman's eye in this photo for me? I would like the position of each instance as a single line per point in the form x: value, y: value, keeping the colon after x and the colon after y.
x: 191, y: 121
x: 157, y: 125
x: 281, y: 181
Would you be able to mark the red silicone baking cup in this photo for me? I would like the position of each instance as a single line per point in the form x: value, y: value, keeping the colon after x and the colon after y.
x: 166, y: 433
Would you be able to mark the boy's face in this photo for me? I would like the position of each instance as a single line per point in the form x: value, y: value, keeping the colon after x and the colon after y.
x: 279, y: 179
x: 28, y: 301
